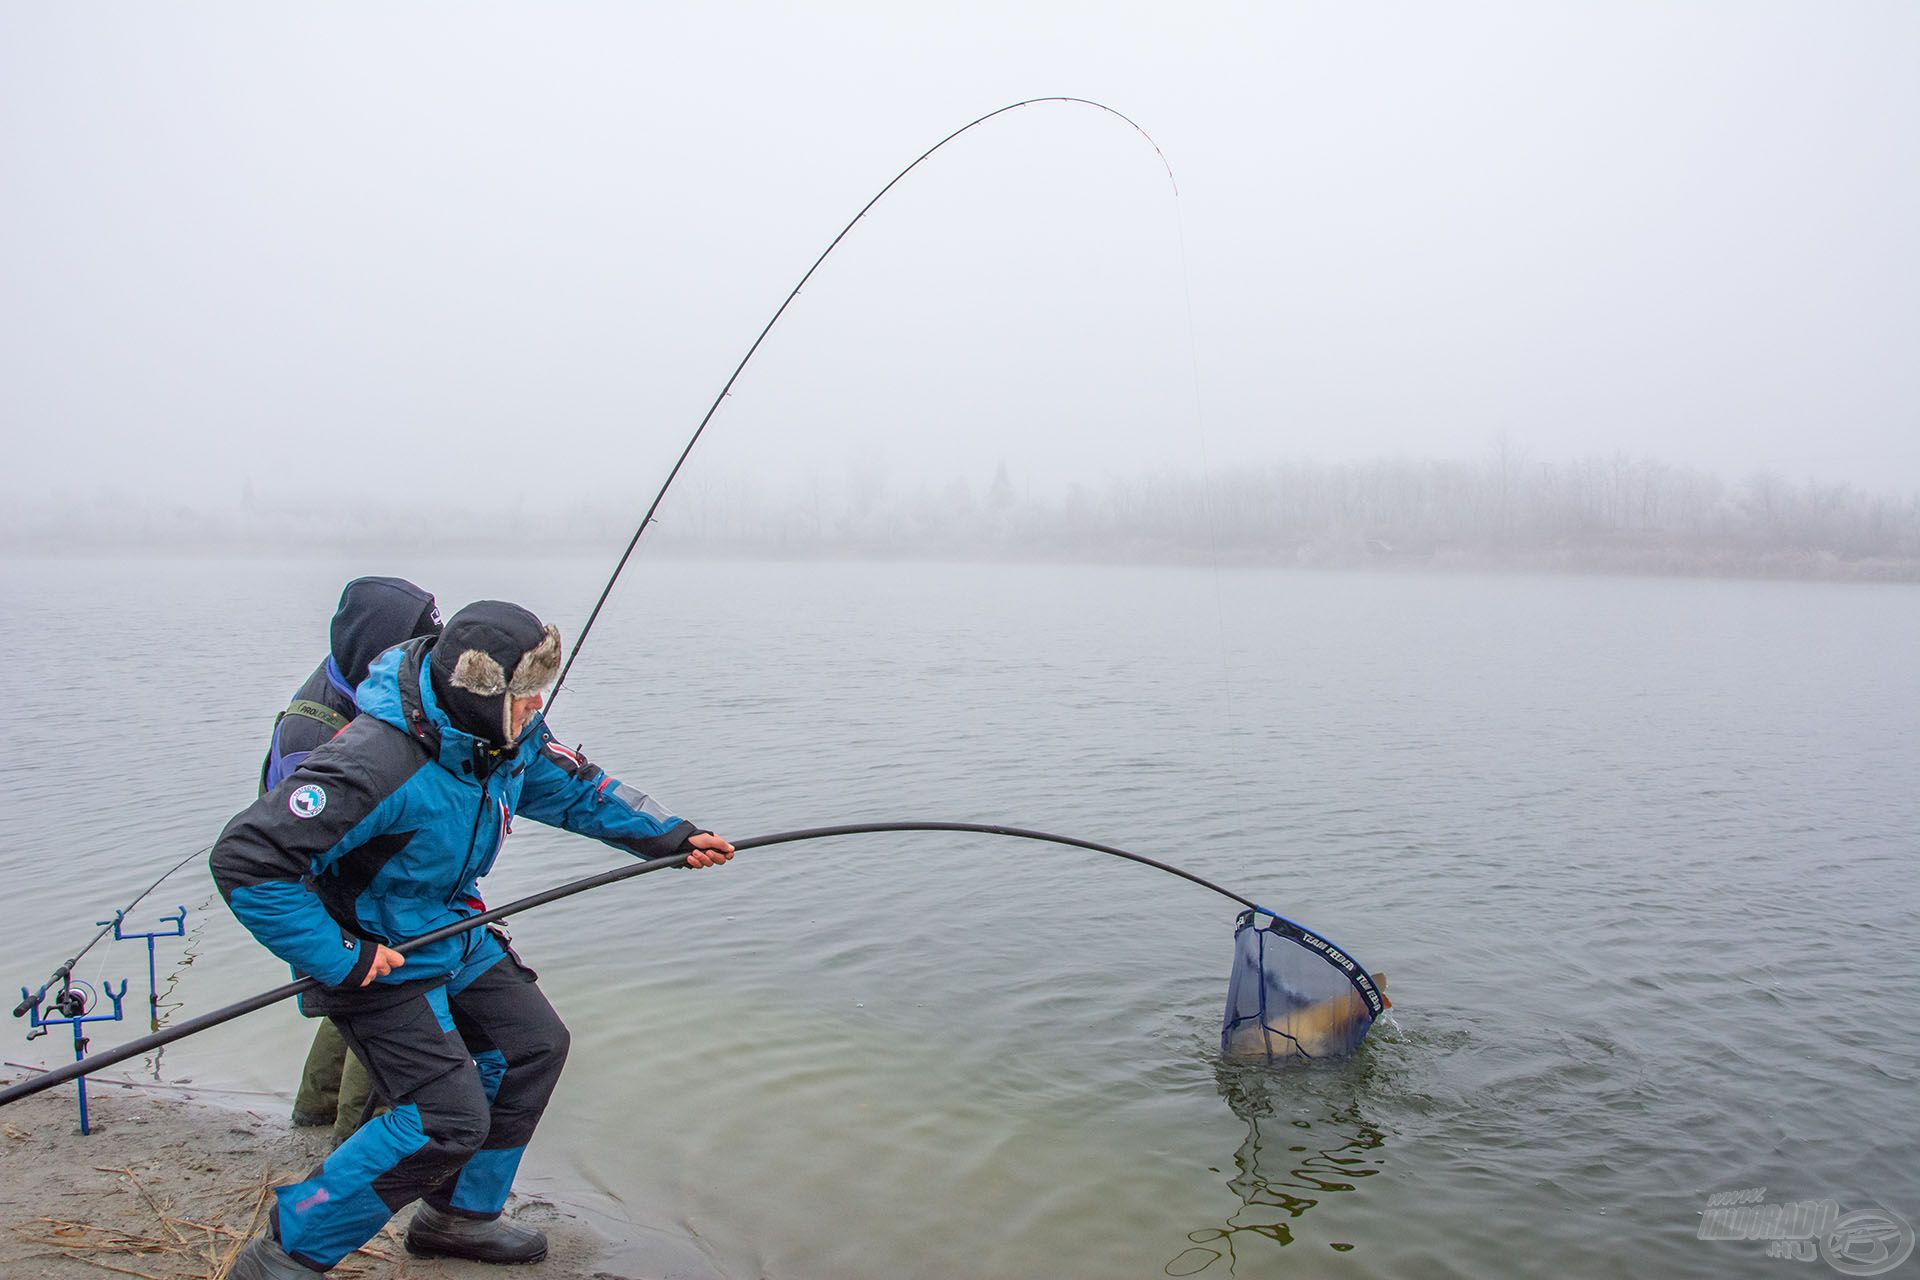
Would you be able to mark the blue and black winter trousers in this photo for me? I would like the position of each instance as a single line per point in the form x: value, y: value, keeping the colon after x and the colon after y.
x: 468, y: 1068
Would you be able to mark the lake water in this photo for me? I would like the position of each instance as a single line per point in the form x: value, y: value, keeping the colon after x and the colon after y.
x: 1638, y: 857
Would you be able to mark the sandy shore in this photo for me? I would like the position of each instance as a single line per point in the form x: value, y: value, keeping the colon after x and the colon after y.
x: 169, y: 1186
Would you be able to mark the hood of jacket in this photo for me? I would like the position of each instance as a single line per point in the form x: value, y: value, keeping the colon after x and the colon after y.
x: 374, y: 615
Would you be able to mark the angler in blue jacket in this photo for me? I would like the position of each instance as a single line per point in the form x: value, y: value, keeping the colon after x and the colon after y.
x: 379, y: 836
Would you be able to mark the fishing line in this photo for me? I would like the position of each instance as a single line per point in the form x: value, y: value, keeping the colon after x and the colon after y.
x: 134, y: 1048
x: 698, y: 431
x: 1280, y: 928
x: 61, y: 974
x: 1236, y: 774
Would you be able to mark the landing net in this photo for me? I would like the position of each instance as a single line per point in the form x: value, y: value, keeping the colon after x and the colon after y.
x: 1293, y: 995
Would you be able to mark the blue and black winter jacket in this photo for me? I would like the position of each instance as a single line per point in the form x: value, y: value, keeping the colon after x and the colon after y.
x: 383, y: 833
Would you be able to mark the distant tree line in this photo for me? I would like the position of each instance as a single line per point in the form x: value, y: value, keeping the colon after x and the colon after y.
x: 1596, y: 513
x: 1612, y: 513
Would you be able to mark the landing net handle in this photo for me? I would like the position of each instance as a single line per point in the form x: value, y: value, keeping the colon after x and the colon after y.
x: 146, y: 1044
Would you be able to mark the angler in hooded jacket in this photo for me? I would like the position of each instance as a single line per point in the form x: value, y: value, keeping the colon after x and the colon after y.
x: 379, y: 836
x: 374, y: 614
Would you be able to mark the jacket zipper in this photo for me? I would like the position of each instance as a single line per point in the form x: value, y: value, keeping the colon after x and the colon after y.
x: 473, y: 838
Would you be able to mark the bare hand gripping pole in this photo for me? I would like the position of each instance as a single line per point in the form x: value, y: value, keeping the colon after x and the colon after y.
x: 735, y: 376
x: 146, y: 1044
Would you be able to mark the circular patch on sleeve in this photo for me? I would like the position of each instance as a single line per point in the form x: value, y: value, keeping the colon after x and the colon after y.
x: 308, y: 801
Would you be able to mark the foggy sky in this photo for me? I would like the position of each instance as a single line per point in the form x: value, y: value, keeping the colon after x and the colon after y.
x: 463, y: 252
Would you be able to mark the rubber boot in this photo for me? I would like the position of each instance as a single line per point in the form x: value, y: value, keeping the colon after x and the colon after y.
x: 436, y: 1234
x: 264, y: 1259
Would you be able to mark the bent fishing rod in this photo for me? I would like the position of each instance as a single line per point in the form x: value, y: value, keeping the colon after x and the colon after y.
x: 146, y: 1044
x: 61, y: 974
x: 714, y: 408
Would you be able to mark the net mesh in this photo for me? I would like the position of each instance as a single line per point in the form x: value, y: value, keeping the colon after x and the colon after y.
x: 1294, y: 996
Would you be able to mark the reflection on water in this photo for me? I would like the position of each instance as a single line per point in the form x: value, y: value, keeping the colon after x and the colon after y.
x: 165, y: 1005
x: 1279, y: 1172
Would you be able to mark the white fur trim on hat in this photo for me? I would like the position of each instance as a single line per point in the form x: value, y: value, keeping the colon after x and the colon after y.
x: 537, y: 667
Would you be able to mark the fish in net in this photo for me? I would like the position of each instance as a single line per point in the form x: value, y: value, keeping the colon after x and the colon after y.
x: 1295, y: 996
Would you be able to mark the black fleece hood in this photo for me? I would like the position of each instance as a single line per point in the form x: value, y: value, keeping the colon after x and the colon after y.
x: 376, y: 614
x: 490, y: 653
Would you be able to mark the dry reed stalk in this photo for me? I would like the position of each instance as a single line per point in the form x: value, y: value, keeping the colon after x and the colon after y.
x: 95, y: 1262
x: 224, y: 1263
x: 153, y: 1204
x: 213, y: 1248
x: 204, y: 1226
x: 68, y: 1233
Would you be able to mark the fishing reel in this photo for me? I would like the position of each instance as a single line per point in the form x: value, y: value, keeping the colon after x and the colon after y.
x: 74, y: 1000
x: 63, y: 1000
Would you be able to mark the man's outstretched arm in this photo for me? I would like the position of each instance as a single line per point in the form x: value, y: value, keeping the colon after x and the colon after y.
x: 564, y: 789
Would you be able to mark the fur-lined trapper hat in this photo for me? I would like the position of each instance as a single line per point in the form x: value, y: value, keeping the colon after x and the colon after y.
x: 490, y: 653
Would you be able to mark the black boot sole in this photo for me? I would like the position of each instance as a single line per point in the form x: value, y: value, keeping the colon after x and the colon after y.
x: 422, y: 1249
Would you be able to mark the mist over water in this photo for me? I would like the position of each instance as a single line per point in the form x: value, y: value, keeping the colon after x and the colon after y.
x: 1574, y: 288
x: 1503, y: 511
x: 249, y: 248
x: 1634, y: 854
